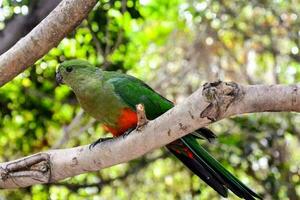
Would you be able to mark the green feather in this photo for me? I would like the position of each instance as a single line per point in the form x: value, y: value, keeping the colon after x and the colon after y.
x: 133, y: 91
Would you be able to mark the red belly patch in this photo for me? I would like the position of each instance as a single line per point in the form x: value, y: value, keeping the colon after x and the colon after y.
x: 127, y: 120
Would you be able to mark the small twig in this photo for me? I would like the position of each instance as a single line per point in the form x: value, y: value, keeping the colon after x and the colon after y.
x: 141, y: 115
x: 121, y: 32
x: 109, y: 49
x: 107, y: 38
x: 242, y: 66
x: 96, y: 40
x: 78, y: 125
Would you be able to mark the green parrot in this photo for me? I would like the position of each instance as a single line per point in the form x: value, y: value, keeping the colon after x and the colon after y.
x: 111, y: 98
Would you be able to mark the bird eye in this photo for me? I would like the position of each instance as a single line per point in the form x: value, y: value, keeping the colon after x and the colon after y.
x: 69, y: 69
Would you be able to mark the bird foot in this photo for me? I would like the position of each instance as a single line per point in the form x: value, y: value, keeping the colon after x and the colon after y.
x: 127, y: 132
x: 100, y: 140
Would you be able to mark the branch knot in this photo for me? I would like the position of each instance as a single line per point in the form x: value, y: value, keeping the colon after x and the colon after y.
x: 36, y: 167
x: 219, y: 95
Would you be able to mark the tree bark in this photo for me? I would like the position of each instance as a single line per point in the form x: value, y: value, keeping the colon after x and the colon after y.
x: 20, y: 25
x: 210, y: 103
x: 61, y: 21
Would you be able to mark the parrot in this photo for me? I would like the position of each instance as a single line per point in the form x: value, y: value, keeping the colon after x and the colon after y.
x: 111, y: 98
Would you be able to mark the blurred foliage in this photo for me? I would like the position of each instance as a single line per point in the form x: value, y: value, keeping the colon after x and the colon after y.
x: 175, y: 46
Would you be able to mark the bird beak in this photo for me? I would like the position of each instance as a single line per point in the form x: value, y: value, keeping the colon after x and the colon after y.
x: 59, y: 78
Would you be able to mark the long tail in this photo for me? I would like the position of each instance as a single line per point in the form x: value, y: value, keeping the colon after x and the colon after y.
x: 198, y: 160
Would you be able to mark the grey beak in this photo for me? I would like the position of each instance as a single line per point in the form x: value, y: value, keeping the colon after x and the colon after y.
x: 59, y: 78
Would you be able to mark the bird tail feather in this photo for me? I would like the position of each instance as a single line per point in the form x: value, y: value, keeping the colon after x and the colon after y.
x: 198, y: 160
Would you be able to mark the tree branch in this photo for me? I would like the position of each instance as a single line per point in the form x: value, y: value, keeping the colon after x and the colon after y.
x: 21, y: 25
x: 208, y: 104
x: 61, y: 21
x: 133, y: 170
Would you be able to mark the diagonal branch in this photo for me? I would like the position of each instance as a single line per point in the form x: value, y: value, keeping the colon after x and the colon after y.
x: 21, y: 25
x: 213, y: 102
x: 61, y: 21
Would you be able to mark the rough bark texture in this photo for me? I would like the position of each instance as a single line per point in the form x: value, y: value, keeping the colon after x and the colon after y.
x: 21, y: 25
x: 212, y: 102
x: 61, y: 21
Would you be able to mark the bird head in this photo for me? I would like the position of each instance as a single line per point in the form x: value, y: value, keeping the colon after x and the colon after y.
x: 74, y: 72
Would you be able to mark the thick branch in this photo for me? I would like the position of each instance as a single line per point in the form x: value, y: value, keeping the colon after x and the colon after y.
x: 210, y: 103
x: 132, y: 170
x: 61, y: 21
x: 21, y: 25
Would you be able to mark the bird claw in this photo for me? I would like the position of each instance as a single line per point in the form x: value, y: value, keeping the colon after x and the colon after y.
x: 127, y: 132
x: 100, y: 140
